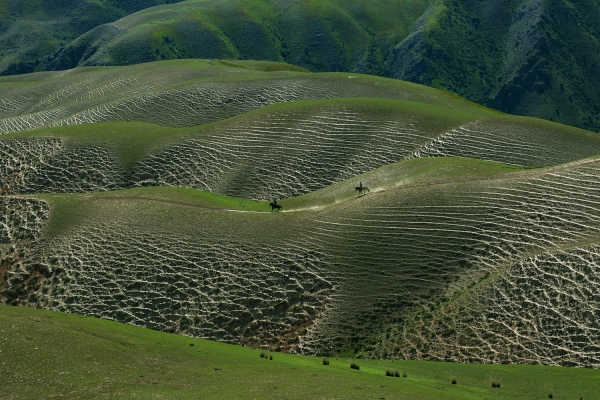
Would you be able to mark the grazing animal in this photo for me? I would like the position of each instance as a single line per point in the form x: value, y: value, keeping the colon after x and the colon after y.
x: 275, y: 207
x: 361, y: 189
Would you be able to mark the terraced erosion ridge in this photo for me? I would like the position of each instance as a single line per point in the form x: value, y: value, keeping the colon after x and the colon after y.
x: 476, y: 243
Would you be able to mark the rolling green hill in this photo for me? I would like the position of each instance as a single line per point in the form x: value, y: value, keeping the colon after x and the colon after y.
x: 281, y: 150
x: 30, y: 30
x: 334, y: 274
x: 60, y: 355
x: 534, y: 58
x: 140, y: 194
x: 187, y: 93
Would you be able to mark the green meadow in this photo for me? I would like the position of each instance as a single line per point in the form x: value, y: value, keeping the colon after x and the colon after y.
x: 56, y: 355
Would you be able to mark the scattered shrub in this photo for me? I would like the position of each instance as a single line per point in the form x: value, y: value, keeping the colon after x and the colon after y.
x: 191, y: 344
x: 389, y: 372
x: 550, y: 396
x: 325, y: 361
x: 271, y: 357
x: 405, y: 375
x: 263, y: 355
x: 354, y: 365
x: 495, y: 384
x: 453, y: 381
x: 397, y: 374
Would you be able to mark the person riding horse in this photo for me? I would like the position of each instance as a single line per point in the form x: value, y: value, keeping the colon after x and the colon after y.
x: 361, y: 189
x: 275, y: 206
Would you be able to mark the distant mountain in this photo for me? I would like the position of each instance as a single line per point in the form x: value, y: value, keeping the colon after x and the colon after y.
x: 538, y: 58
x: 30, y: 30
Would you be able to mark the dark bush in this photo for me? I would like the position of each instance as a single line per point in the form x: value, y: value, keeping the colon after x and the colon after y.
x: 354, y: 365
x: 325, y: 361
x: 453, y: 381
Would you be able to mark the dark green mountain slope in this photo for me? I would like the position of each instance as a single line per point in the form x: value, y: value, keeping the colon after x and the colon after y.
x: 31, y: 29
x: 333, y: 35
x: 536, y: 58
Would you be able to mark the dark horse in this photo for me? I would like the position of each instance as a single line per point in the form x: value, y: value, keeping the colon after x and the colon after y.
x: 275, y: 207
x: 361, y: 189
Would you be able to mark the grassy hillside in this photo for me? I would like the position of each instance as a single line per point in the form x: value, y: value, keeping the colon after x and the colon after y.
x: 534, y: 58
x: 333, y: 274
x: 186, y: 93
x: 30, y: 30
x: 159, y: 215
x: 84, y: 357
x: 331, y: 35
x: 281, y: 150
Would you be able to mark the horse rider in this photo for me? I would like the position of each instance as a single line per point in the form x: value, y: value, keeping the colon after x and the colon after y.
x: 274, y: 202
x: 360, y: 187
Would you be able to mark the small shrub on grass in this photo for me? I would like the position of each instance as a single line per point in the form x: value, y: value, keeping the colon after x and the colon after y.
x: 325, y: 361
x: 453, y: 381
x: 397, y: 374
x: 263, y: 355
x: 495, y: 384
x: 354, y: 365
x: 389, y: 373
x: 550, y: 396
x: 271, y: 357
x: 405, y: 375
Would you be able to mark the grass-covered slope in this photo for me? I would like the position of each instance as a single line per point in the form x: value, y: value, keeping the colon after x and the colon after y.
x: 330, y: 35
x: 50, y: 354
x: 31, y: 30
x: 186, y: 93
x: 282, y: 150
x: 332, y: 274
x: 534, y: 58
x: 277, y: 150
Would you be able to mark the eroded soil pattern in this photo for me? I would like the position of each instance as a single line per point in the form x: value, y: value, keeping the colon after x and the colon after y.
x: 542, y: 310
x: 418, y: 254
x: 47, y: 165
x: 166, y: 98
x: 284, y: 155
x: 499, y: 141
x: 21, y: 221
x: 206, y: 285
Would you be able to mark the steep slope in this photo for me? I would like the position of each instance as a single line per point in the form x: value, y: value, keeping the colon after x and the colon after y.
x: 282, y: 150
x: 332, y: 35
x: 337, y: 272
x: 537, y: 58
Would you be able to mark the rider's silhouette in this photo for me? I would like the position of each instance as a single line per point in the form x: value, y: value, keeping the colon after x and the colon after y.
x: 274, y: 202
